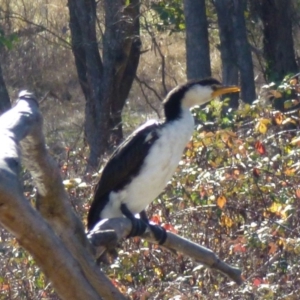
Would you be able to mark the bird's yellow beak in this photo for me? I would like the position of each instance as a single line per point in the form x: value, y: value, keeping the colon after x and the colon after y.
x: 225, y: 90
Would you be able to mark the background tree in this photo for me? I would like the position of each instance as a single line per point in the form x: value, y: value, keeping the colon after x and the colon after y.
x: 278, y: 44
x: 105, y: 81
x: 230, y: 70
x: 244, y: 58
x: 197, y: 42
x: 4, y: 97
x: 222, y: 195
x: 235, y: 49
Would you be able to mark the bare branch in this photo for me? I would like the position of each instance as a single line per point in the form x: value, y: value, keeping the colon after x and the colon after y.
x: 162, y: 57
x: 121, y: 227
x: 149, y: 87
x: 141, y: 83
x: 38, y: 28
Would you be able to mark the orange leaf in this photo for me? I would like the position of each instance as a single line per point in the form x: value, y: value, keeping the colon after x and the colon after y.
x: 4, y: 287
x: 298, y: 193
x: 221, y: 201
x: 239, y: 248
x: 189, y: 145
x: 278, y: 118
x: 272, y: 248
x: 236, y: 172
x: 260, y: 148
x: 293, y: 81
x: 289, y: 172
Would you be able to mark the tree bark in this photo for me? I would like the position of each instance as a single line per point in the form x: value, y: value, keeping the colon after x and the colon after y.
x: 197, y: 43
x: 4, y: 97
x: 105, y: 81
x: 122, y: 50
x: 244, y: 57
x: 230, y: 71
x: 278, y: 44
x: 235, y: 50
x: 54, y: 235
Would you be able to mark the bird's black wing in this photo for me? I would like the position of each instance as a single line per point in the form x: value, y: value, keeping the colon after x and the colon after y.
x: 125, y: 163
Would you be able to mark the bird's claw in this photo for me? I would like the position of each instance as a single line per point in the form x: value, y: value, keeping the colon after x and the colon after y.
x: 138, y: 227
x: 159, y: 233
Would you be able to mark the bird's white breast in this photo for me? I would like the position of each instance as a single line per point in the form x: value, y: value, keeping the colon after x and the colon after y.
x: 158, y: 168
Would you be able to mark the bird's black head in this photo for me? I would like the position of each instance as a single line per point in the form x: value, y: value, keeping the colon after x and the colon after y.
x: 192, y: 93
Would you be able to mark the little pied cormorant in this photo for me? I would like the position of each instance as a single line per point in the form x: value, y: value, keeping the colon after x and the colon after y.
x: 141, y: 166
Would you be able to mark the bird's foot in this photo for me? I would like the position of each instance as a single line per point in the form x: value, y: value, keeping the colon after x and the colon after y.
x: 159, y: 233
x: 138, y: 227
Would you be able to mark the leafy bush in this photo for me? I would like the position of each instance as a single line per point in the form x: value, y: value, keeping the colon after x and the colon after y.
x: 236, y: 192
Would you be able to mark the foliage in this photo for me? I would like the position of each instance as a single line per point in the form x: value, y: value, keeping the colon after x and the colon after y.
x: 7, y: 40
x: 236, y: 192
x: 170, y: 14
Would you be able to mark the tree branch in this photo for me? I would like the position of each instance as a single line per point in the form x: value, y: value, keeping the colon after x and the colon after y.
x: 59, y: 245
x: 112, y: 231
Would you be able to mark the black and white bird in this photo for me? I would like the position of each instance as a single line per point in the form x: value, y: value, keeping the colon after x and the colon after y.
x: 141, y: 166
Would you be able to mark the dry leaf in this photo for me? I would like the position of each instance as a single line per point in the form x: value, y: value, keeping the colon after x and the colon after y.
x: 221, y: 201
x: 260, y: 148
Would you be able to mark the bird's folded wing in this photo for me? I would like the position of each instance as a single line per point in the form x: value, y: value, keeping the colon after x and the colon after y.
x: 124, y: 164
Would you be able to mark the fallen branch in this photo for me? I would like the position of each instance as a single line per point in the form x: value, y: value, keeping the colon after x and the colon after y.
x: 111, y: 231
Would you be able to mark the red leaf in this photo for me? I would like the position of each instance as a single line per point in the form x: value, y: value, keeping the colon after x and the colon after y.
x: 156, y: 219
x: 170, y: 228
x: 260, y: 148
x: 256, y: 173
x: 257, y: 281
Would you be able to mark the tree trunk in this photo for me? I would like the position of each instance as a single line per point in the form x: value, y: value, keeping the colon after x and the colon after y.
x: 235, y: 49
x: 4, y: 97
x: 244, y: 57
x: 230, y: 74
x: 278, y: 44
x: 197, y: 43
x: 105, y: 81
x: 124, y: 53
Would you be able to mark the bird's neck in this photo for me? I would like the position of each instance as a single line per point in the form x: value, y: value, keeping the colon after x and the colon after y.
x: 184, y: 121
